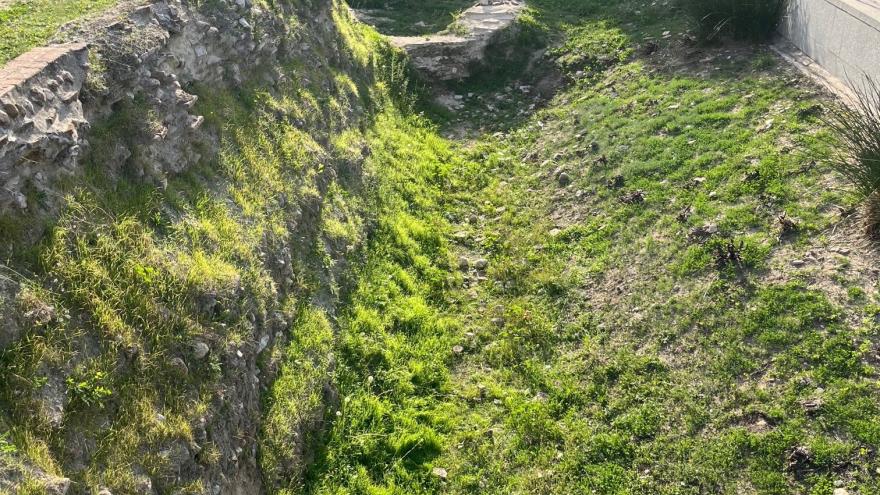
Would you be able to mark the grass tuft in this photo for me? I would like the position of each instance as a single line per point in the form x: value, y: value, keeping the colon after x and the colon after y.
x: 857, y: 157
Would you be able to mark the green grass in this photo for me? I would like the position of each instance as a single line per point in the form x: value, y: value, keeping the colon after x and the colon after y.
x: 25, y: 24
x: 606, y: 351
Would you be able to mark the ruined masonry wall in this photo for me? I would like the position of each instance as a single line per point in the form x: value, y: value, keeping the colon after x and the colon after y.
x: 41, y: 117
x: 147, y: 52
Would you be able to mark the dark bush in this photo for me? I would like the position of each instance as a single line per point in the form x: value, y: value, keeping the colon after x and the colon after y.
x: 754, y: 20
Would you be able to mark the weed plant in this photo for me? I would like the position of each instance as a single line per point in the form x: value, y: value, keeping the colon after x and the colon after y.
x: 857, y: 158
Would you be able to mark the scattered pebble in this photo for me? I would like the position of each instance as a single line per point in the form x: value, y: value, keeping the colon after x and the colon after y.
x: 200, y: 350
x: 481, y: 264
x: 439, y: 472
x: 178, y: 365
x: 812, y: 405
x: 798, y: 263
x: 564, y: 179
x: 768, y: 124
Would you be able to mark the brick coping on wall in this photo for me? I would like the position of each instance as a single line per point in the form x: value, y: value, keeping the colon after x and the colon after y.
x: 20, y: 70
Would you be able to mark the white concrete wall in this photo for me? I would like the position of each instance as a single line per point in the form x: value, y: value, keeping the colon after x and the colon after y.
x: 841, y: 35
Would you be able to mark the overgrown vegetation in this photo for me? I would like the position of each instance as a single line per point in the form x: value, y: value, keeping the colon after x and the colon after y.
x: 754, y: 20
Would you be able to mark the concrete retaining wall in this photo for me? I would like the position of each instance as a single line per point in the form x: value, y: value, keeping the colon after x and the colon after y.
x: 843, y: 36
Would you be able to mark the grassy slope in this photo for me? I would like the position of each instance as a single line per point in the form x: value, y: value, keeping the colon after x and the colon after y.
x: 25, y: 24
x: 605, y: 351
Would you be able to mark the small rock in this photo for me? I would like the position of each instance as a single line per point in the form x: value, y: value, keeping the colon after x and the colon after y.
x: 798, y: 263
x: 11, y: 109
x: 38, y: 96
x: 439, y: 472
x: 700, y: 234
x: 56, y: 485
x: 244, y: 23
x: 4, y: 118
x: 635, y: 197
x: 799, y: 457
x: 768, y: 124
x: 696, y: 181
x: 498, y: 322
x: 464, y: 264
x: 616, y: 182
x: 564, y: 179
x: 481, y: 264
x: 811, y: 406
x: 179, y: 366
x: 200, y: 350
x: 473, y: 219
x: 20, y: 200
x: 264, y: 342
x: 841, y: 491
x: 458, y: 349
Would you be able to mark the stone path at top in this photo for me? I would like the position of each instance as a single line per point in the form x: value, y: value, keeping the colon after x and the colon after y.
x: 449, y: 55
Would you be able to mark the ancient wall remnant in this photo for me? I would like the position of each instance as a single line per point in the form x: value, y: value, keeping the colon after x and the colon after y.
x: 41, y: 118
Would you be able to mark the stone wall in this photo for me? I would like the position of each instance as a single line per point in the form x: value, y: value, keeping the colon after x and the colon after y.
x: 145, y: 52
x: 843, y: 36
x: 41, y: 118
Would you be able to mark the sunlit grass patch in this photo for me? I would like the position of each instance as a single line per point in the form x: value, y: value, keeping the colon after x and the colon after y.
x: 25, y: 24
